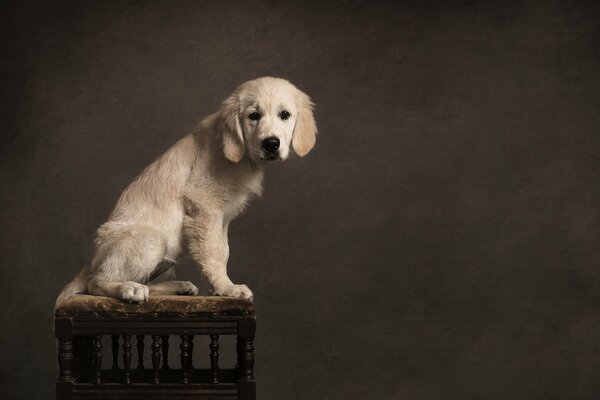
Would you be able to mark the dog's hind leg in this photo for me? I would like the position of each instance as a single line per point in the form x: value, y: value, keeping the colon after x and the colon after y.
x: 129, y: 291
x: 173, y: 287
x: 125, y: 260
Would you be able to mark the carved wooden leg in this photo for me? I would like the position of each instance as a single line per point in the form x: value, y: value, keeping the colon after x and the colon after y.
x: 98, y: 358
x: 64, y: 334
x: 127, y: 358
x: 247, y: 360
x: 214, y: 358
x: 185, y: 357
x: 245, y: 348
x: 115, y: 351
x: 140, y: 351
x: 65, y: 358
x: 165, y: 351
x: 156, y: 357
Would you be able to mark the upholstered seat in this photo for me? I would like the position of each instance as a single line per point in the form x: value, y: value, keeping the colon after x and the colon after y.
x: 175, y: 306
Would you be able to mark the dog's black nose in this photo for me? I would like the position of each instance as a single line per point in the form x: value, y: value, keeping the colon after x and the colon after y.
x: 271, y: 144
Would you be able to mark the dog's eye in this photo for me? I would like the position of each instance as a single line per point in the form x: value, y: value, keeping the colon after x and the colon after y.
x: 255, y: 116
x: 284, y: 115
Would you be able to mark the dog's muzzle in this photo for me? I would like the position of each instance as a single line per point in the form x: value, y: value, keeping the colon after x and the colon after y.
x: 270, y: 146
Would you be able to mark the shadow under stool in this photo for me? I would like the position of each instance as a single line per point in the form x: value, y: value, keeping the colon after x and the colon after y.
x: 83, y: 320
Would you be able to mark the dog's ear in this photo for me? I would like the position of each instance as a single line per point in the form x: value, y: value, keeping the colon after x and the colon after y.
x: 305, y: 131
x: 231, y: 130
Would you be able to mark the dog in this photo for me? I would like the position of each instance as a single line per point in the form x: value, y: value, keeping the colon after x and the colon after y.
x: 189, y: 195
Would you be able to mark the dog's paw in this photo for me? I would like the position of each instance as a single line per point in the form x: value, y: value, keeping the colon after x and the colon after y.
x: 187, y: 288
x: 133, y: 292
x: 241, y: 291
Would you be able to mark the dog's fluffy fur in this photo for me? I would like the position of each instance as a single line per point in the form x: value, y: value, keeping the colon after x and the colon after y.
x: 191, y: 193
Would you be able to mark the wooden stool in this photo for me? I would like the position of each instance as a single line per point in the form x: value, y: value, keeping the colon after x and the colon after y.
x: 81, y: 321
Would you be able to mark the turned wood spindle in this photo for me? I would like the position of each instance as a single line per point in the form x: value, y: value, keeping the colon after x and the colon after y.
x: 65, y: 358
x: 191, y: 341
x: 214, y: 358
x: 165, y: 351
x: 115, y: 351
x: 186, y: 356
x: 98, y: 358
x: 127, y: 358
x: 140, y: 351
x: 156, y: 357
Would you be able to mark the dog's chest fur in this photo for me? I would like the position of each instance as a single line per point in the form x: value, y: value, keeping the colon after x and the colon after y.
x: 238, y: 198
x: 226, y: 188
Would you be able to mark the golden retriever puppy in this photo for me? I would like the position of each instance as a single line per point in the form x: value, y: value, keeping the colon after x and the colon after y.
x: 192, y: 192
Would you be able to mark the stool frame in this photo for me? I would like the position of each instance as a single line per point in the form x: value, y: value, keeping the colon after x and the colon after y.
x: 80, y: 358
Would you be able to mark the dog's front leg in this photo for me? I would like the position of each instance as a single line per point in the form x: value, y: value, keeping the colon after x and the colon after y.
x: 206, y: 237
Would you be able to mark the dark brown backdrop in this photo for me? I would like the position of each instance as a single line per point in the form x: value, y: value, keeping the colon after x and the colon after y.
x: 441, y: 242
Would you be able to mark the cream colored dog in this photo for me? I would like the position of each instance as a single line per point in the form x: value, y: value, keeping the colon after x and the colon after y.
x: 191, y: 193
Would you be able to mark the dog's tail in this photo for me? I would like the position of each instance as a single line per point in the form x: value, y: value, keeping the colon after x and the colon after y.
x: 77, y: 286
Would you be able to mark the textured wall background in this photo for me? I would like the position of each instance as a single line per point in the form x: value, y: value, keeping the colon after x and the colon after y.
x: 442, y: 240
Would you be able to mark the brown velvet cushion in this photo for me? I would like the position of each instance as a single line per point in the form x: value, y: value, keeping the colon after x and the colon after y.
x: 182, y: 306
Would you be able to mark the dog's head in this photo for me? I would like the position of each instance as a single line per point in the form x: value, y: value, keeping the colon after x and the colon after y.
x: 263, y: 118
